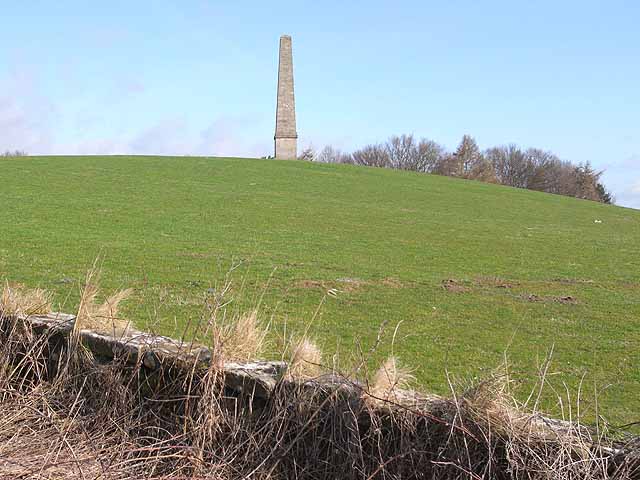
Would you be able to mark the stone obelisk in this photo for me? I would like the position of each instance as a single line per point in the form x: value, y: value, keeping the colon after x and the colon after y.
x: 286, y: 137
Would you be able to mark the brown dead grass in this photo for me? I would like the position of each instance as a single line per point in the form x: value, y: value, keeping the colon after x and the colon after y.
x: 390, y: 378
x: 306, y: 359
x: 77, y: 418
x: 100, y: 317
x: 244, y: 339
x: 19, y: 301
x: 201, y: 255
x: 350, y: 285
x: 92, y: 420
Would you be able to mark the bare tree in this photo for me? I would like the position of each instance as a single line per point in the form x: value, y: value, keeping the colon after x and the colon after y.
x: 307, y: 154
x: 14, y: 153
x: 509, y: 164
x: 538, y: 166
x: 483, y: 171
x: 372, y: 156
x: 330, y: 154
x: 532, y: 168
x: 401, y: 152
x: 429, y: 156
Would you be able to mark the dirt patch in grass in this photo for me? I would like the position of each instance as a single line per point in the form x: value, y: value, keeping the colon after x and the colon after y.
x: 485, y: 284
x: 573, y: 281
x: 494, y: 282
x: 195, y: 254
x: 309, y: 284
x: 454, y: 286
x: 348, y: 284
x: 351, y: 284
x: 392, y: 282
x: 566, y: 299
x: 340, y: 285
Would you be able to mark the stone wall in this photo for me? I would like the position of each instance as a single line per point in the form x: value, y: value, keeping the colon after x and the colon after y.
x: 255, y: 381
x: 154, y: 352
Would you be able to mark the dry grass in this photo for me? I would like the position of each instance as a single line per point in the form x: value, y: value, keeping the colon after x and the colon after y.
x: 306, y: 360
x: 67, y: 415
x: 245, y: 338
x: 100, y: 317
x: 237, y: 336
x: 539, y: 447
x: 19, y: 301
x: 97, y: 420
x: 389, y: 379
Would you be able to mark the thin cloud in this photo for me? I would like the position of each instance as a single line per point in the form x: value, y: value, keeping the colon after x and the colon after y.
x: 174, y: 136
x: 26, y: 116
x: 100, y: 146
x: 126, y: 89
x: 224, y: 137
x: 622, y: 177
x: 168, y: 137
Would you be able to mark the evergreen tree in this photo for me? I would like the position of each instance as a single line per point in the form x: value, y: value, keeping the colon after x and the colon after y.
x: 467, y: 157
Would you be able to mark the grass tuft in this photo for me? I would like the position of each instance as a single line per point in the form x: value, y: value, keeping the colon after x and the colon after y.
x: 18, y: 301
x: 390, y: 378
x: 242, y: 339
x: 100, y: 317
x: 306, y: 360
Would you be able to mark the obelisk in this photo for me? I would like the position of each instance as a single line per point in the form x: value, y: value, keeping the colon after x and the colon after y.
x: 286, y: 137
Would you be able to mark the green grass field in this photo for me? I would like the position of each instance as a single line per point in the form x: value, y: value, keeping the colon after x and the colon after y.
x: 385, y: 240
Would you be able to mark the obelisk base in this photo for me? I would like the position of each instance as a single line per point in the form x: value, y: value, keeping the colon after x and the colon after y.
x: 286, y: 148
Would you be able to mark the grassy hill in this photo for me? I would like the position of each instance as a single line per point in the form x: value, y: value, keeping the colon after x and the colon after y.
x: 470, y: 270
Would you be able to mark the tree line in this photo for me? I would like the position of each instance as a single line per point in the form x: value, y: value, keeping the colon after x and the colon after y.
x: 13, y: 153
x: 530, y: 168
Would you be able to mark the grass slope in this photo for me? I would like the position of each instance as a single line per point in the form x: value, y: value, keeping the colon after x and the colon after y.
x: 386, y: 240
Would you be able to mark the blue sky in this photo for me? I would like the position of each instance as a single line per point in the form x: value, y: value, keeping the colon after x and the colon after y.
x: 199, y: 77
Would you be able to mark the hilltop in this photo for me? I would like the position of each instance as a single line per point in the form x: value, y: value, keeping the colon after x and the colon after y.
x: 469, y: 270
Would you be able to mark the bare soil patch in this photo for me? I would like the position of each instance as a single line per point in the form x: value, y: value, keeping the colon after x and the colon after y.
x: 392, y: 282
x: 455, y: 286
x: 495, y: 282
x: 565, y: 299
x: 195, y: 254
